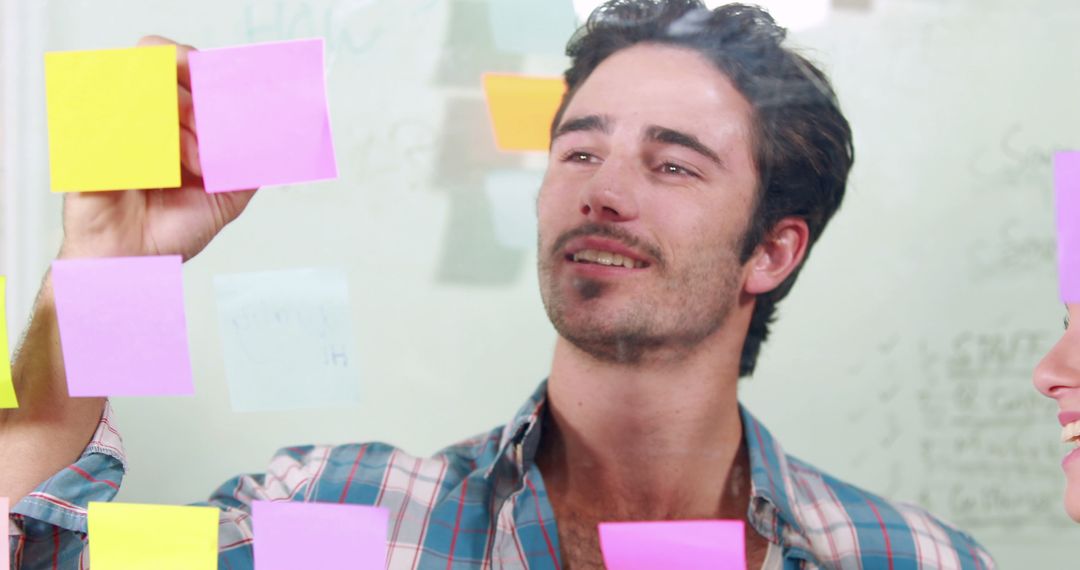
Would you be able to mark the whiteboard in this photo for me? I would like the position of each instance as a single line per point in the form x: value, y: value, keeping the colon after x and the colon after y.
x: 901, y: 362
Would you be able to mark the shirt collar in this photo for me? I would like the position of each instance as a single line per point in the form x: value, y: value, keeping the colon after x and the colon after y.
x: 770, y: 479
x: 770, y: 476
x: 521, y: 436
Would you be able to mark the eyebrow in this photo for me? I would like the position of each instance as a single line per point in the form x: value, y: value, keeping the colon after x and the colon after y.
x: 590, y: 122
x: 664, y: 135
x: 600, y: 123
x: 671, y: 136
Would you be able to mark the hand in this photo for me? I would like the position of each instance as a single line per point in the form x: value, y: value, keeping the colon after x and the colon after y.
x: 161, y: 221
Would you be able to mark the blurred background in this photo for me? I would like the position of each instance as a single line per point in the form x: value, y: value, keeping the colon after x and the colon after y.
x: 901, y: 362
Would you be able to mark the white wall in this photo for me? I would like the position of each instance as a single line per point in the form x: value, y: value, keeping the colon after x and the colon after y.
x: 23, y: 165
x: 901, y: 361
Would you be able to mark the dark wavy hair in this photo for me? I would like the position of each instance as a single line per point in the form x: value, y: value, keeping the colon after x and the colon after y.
x: 802, y: 142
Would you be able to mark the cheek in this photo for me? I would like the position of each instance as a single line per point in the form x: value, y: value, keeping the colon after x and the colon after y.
x: 553, y: 212
x: 546, y: 200
x: 1072, y: 494
x: 694, y: 230
x: 544, y: 210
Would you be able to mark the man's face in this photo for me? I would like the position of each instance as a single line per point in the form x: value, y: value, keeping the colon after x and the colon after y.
x: 648, y: 193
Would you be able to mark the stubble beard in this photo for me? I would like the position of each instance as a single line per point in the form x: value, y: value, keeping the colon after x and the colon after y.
x: 686, y: 306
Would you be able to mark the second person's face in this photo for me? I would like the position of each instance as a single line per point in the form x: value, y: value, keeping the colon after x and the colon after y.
x: 1058, y: 377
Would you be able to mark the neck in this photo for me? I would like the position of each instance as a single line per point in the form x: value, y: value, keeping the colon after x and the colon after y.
x: 659, y: 440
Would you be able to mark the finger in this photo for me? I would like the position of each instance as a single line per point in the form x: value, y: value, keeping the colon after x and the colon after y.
x: 183, y: 72
x: 189, y: 152
x: 232, y: 204
x: 153, y: 40
x: 186, y: 109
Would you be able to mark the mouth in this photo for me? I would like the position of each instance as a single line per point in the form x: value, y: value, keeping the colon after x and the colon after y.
x: 606, y: 258
x: 1071, y: 433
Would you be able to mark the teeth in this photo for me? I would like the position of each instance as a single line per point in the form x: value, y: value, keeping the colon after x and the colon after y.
x: 1071, y: 432
x: 607, y: 258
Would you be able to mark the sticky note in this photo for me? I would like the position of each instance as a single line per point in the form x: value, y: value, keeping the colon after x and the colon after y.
x: 512, y: 196
x: 522, y: 109
x: 261, y: 115
x: 136, y: 537
x: 1067, y: 201
x: 122, y: 326
x: 687, y: 545
x: 290, y: 535
x: 7, y: 389
x: 5, y: 510
x: 113, y: 119
x: 532, y: 26
x: 287, y: 339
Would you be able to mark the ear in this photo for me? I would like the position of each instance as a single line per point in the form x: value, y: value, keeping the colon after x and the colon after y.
x: 777, y: 256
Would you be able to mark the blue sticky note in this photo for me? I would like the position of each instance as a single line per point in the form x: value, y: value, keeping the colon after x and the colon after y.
x: 532, y: 26
x: 512, y: 196
x: 287, y: 339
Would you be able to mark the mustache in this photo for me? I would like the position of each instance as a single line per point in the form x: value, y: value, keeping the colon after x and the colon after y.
x: 616, y: 233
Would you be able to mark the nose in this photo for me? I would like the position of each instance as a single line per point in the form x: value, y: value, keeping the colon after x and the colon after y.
x: 1058, y: 375
x: 610, y: 193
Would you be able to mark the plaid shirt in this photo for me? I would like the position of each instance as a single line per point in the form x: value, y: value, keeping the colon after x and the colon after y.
x: 482, y: 504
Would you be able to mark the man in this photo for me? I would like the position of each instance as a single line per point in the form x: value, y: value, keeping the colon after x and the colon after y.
x: 694, y: 162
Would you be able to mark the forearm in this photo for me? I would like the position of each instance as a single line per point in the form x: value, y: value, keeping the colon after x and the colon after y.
x: 49, y: 430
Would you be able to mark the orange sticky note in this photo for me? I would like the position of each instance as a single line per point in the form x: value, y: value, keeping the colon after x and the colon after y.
x: 522, y: 108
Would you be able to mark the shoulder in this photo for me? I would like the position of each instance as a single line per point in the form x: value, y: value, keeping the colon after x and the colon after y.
x: 371, y: 472
x: 842, y: 523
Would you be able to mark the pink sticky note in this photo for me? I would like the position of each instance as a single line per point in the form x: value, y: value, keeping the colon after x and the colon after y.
x: 261, y: 115
x: 1067, y: 198
x: 687, y: 545
x: 122, y: 326
x: 5, y: 509
x: 290, y: 535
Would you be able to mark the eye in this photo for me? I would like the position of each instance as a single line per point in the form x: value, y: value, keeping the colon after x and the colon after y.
x: 676, y: 170
x: 577, y: 156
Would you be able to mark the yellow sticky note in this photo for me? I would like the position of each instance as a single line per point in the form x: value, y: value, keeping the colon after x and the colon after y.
x: 522, y: 109
x: 7, y: 390
x: 113, y: 119
x: 136, y: 537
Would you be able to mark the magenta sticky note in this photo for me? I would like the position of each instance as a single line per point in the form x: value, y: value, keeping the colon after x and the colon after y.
x: 261, y: 115
x: 122, y: 326
x: 1067, y: 200
x: 290, y: 535
x: 687, y: 545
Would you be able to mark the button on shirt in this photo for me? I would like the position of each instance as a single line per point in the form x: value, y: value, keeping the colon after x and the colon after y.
x: 481, y: 503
